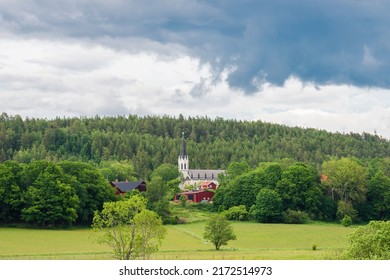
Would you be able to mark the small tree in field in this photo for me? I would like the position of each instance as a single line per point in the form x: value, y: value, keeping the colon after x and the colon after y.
x: 128, y: 228
x: 149, y: 232
x: 219, y: 231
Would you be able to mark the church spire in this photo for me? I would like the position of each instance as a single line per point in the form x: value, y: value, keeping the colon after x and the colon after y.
x: 183, y: 148
x: 183, y: 161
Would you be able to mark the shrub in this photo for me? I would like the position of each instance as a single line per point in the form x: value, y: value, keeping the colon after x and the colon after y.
x: 171, y: 220
x: 346, y: 208
x: 296, y: 217
x: 346, y: 221
x: 370, y: 242
x: 203, y: 206
x: 237, y: 213
x: 183, y: 200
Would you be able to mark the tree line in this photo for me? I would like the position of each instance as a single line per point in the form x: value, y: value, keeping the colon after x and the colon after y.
x: 150, y: 141
x: 60, y: 194
x: 45, y: 194
x: 295, y: 192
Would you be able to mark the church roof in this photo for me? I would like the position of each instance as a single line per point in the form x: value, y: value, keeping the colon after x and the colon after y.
x: 204, y: 174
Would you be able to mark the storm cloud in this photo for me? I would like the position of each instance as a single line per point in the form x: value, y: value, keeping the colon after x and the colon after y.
x: 325, y: 42
x: 293, y: 62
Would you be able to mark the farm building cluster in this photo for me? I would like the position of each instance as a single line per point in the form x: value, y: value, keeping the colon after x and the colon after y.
x: 197, y: 185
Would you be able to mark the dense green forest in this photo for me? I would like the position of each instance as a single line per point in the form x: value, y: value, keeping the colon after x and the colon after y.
x: 150, y: 141
x: 56, y: 172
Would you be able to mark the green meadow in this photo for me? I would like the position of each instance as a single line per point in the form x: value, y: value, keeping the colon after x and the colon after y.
x: 184, y: 241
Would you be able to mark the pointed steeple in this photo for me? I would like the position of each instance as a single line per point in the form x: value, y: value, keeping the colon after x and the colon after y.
x: 183, y: 148
x: 183, y: 160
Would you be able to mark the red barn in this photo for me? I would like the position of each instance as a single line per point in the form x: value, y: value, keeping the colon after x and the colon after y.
x: 205, y: 192
x: 196, y: 196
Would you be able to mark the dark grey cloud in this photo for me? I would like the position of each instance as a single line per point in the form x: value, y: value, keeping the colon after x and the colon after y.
x: 324, y: 42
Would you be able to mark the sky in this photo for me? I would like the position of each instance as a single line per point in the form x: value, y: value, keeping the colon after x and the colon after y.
x: 305, y: 63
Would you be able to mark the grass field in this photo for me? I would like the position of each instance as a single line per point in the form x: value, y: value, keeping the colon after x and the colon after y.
x: 254, y: 241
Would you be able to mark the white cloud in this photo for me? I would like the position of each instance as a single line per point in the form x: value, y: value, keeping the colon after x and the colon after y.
x: 45, y: 78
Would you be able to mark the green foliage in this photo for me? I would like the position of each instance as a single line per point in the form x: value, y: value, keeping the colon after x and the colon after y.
x: 237, y: 213
x: 48, y: 194
x: 295, y: 217
x: 242, y: 190
x: 300, y: 189
x: 347, y: 179
x: 268, y: 207
x: 346, y: 221
x: 91, y: 188
x: 50, y: 200
x: 377, y: 206
x: 346, y: 209
x: 166, y: 171
x: 117, y: 170
x: 233, y: 170
x: 149, y: 233
x: 149, y: 141
x: 218, y: 231
x: 202, y: 206
x: 157, y: 189
x: 128, y: 228
x: 10, y: 192
x: 183, y: 201
x: 130, y: 147
x: 169, y: 174
x: 370, y: 242
x: 159, y: 194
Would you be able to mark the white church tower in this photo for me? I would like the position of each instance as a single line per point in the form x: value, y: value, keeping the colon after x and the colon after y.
x: 183, y: 161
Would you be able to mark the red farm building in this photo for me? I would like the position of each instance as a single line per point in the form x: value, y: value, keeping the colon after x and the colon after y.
x: 205, y: 192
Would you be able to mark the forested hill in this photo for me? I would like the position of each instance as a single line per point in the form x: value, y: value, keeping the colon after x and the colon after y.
x: 149, y: 141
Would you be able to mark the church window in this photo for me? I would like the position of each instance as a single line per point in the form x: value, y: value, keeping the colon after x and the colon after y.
x: 182, y: 166
x: 185, y: 166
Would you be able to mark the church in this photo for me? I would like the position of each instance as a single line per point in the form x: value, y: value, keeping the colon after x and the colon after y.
x: 194, y: 177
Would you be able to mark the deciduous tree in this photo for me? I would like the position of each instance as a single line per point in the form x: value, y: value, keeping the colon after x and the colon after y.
x: 128, y: 228
x: 219, y: 231
x: 268, y: 207
x: 347, y: 178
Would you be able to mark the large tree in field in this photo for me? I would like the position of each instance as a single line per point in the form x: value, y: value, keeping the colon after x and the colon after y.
x: 128, y: 228
x: 219, y: 231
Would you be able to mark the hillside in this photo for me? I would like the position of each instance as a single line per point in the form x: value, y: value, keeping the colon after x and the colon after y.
x: 150, y: 141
